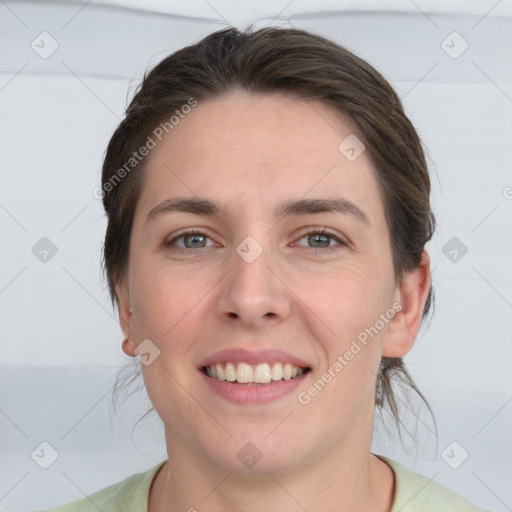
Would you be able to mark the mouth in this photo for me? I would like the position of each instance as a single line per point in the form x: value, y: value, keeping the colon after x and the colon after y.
x: 245, y: 377
x: 260, y: 374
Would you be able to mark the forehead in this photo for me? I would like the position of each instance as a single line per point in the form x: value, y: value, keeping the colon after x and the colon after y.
x: 259, y: 150
x: 264, y: 127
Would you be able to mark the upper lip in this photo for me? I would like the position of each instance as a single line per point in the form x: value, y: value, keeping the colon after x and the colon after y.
x: 239, y: 355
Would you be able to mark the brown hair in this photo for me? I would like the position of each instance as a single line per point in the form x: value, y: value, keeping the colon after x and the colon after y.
x: 308, y: 66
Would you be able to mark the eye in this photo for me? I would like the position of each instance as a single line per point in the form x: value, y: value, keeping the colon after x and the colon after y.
x: 322, y: 237
x: 192, y: 239
x: 196, y: 239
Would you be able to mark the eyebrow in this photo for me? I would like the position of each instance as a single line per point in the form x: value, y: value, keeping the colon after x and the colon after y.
x: 293, y: 207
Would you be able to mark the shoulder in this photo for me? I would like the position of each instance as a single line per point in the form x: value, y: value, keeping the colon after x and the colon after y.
x: 417, y: 493
x: 128, y: 495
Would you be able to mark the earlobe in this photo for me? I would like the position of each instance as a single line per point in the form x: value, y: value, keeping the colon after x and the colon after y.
x: 405, y: 325
x: 128, y: 347
x: 125, y: 313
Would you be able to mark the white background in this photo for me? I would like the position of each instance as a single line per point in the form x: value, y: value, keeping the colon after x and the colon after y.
x: 60, y: 339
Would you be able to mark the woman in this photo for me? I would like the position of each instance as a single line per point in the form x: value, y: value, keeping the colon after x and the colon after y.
x: 268, y: 210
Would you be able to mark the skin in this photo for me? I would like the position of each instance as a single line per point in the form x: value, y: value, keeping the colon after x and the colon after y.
x: 311, y: 303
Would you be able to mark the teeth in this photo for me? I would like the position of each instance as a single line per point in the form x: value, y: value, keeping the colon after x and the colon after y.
x: 277, y: 371
x: 262, y: 373
x: 244, y: 373
x: 229, y: 372
x: 220, y: 371
x: 287, y: 371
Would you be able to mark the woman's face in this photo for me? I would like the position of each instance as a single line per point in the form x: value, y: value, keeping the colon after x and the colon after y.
x: 254, y: 282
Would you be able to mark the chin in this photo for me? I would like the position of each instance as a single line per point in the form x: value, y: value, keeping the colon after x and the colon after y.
x: 254, y: 455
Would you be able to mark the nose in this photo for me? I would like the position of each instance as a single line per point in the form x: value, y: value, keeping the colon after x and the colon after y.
x: 252, y: 293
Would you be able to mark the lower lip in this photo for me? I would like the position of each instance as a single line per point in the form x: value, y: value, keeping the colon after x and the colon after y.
x: 253, y: 394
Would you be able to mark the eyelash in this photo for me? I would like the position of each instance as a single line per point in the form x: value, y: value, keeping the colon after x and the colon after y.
x: 308, y: 231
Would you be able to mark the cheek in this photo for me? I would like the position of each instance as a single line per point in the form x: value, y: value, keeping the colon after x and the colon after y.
x: 162, y: 296
x: 350, y: 304
x: 169, y: 396
x: 347, y: 299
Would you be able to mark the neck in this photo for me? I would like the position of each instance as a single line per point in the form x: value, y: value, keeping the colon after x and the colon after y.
x: 355, y: 480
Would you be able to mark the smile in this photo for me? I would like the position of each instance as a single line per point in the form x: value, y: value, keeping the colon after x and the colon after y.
x: 262, y: 373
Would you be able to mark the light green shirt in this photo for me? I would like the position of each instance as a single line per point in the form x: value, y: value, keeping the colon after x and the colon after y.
x: 413, y: 493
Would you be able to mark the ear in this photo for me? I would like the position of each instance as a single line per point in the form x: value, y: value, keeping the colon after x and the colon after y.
x: 412, y: 294
x: 125, y: 317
